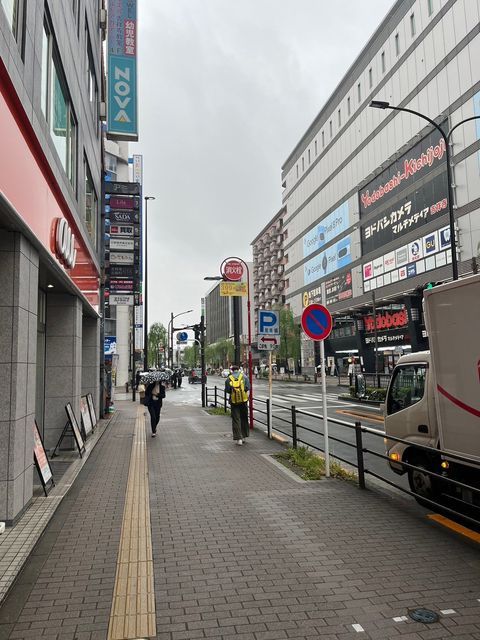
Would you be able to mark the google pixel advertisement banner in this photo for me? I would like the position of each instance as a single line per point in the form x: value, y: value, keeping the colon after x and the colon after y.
x: 327, y: 229
x: 328, y: 261
x: 422, y: 255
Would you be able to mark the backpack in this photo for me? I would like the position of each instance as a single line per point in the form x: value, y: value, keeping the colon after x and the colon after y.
x: 237, y: 390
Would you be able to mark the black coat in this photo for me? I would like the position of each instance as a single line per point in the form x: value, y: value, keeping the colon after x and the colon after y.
x: 148, y: 393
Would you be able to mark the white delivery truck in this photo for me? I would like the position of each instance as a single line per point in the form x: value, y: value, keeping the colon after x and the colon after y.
x: 433, y: 398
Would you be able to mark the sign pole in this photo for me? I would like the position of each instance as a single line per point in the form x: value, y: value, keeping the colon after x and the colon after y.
x: 325, y: 414
x: 270, y: 391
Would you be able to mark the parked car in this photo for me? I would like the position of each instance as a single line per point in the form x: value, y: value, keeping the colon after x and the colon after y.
x: 225, y: 373
x: 195, y: 375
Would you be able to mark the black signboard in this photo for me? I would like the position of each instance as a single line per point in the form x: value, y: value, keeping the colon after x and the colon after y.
x: 40, y: 458
x: 122, y: 188
x: 124, y: 217
x: 124, y: 271
x: 338, y: 288
x: 419, y: 161
x: 72, y: 425
x: 91, y: 407
x: 418, y: 208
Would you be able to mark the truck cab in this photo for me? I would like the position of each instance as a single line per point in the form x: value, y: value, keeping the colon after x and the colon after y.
x: 410, y: 414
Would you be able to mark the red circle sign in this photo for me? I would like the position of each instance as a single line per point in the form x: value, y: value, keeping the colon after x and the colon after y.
x: 317, y: 321
x: 233, y: 270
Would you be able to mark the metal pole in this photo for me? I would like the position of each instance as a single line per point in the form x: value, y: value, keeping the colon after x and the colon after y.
x: 145, y: 293
x: 203, y: 403
x: 236, y: 329
x: 170, y: 346
x: 269, y: 418
x: 361, y: 469
x: 270, y: 394
x: 202, y: 361
x: 250, y: 359
x: 325, y: 409
x: 133, y: 354
x: 375, y: 333
x: 294, y: 426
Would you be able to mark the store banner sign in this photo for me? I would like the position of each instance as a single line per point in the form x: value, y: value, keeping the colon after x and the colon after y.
x: 122, y: 70
x: 110, y: 345
x: 328, y: 261
x: 122, y: 244
x: 326, y: 230
x: 419, y: 256
x: 123, y: 217
x: 121, y: 258
x: 338, y: 288
x: 414, y: 210
x: 419, y: 161
x: 313, y: 296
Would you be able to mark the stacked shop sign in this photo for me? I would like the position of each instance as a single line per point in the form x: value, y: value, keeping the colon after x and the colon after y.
x: 123, y: 243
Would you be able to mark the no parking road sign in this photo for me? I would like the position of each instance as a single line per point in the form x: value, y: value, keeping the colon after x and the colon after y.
x: 316, y: 321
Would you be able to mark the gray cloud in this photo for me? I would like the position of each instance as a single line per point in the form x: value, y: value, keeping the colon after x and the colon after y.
x: 226, y: 91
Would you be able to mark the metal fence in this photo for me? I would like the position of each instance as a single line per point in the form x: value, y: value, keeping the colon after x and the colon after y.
x: 300, y: 434
x: 377, y: 380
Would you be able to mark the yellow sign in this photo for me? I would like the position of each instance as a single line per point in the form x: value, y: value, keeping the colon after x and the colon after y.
x: 233, y: 288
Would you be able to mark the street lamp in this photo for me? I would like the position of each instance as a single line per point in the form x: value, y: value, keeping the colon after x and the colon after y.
x: 145, y: 293
x: 170, y: 334
x: 381, y: 104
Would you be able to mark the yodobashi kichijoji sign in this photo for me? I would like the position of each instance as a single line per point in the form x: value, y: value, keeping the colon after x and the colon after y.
x: 416, y: 204
x: 122, y: 70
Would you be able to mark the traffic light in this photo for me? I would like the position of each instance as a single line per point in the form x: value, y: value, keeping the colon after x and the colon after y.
x: 197, y: 331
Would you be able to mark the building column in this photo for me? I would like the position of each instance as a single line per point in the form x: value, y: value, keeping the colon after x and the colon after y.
x: 123, y: 345
x: 18, y: 347
x: 63, y: 364
x: 91, y: 359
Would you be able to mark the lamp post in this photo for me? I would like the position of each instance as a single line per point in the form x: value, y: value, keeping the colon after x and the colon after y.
x: 380, y: 104
x: 145, y: 293
x: 170, y: 331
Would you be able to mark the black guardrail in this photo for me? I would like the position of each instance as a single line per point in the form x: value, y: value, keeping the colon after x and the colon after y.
x: 298, y: 433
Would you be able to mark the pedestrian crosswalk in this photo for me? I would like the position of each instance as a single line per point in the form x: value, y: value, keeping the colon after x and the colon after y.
x: 290, y: 398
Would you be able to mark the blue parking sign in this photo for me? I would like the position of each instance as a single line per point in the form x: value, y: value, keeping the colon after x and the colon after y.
x: 268, y: 323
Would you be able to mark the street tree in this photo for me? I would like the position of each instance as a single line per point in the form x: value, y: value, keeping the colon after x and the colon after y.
x: 289, y: 337
x: 157, y: 339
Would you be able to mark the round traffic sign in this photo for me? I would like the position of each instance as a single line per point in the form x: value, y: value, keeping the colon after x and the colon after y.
x: 233, y: 270
x: 316, y: 321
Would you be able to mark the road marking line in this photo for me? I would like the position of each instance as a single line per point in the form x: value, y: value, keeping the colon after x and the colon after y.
x: 400, y: 619
x: 447, y: 612
x: 358, y: 628
x: 133, y: 605
x: 355, y: 414
x: 458, y: 528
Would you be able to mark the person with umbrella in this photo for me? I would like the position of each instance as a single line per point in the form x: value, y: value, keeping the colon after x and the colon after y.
x: 154, y: 394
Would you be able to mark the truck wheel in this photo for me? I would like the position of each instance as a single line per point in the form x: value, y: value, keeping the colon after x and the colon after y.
x: 422, y: 484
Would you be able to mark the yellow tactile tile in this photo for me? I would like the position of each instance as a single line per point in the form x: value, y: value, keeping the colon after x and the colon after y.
x: 133, y: 606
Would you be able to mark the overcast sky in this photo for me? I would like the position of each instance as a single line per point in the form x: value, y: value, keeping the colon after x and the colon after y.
x: 226, y: 90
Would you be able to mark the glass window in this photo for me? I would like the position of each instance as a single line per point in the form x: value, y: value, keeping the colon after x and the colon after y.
x: 339, y: 113
x: 323, y: 139
x: 430, y: 7
x: 370, y: 78
x: 303, y: 164
x: 331, y: 128
x: 383, y: 61
x: 91, y: 205
x: 316, y: 148
x: 407, y: 387
x: 397, y: 44
x: 57, y: 108
x: 13, y: 9
x: 349, y: 108
x: 412, y: 25
x: 359, y: 92
x: 309, y: 160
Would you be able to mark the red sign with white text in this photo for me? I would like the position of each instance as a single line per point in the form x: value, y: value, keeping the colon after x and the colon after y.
x: 233, y: 270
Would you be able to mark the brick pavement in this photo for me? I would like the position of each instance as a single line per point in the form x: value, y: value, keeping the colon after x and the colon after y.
x: 241, y: 550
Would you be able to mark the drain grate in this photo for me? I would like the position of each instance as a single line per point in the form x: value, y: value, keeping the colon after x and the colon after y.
x: 423, y: 615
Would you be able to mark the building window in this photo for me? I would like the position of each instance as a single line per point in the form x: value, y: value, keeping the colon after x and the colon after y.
x: 91, y: 79
x: 349, y: 108
x: 397, y: 44
x: 323, y: 139
x: 111, y: 165
x: 303, y: 164
x: 316, y: 148
x: 430, y: 7
x: 331, y: 128
x: 339, y: 114
x: 309, y: 160
x: 359, y: 92
x: 57, y: 108
x: 286, y: 258
x: 297, y: 169
x: 13, y: 10
x: 91, y: 205
x: 382, y: 57
x: 412, y: 25
x: 370, y: 78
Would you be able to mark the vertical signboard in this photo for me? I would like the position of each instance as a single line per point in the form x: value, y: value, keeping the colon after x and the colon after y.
x: 122, y: 70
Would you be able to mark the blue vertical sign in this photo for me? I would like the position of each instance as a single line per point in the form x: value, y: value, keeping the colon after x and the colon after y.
x: 122, y: 121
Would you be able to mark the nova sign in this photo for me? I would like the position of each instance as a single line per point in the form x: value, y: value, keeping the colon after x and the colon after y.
x: 65, y: 243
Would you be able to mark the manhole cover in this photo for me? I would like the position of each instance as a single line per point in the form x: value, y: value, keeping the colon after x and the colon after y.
x: 423, y: 615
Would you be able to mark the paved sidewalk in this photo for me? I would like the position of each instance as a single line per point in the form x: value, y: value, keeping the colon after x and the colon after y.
x: 242, y: 549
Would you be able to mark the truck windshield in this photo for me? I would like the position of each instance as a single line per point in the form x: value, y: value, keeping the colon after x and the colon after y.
x: 407, y: 387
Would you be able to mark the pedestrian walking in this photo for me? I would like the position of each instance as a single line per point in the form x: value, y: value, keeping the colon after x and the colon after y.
x: 174, y: 379
x: 154, y: 394
x: 179, y: 378
x: 237, y: 387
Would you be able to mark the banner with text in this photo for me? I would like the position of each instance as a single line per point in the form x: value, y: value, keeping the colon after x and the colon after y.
x: 326, y: 230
